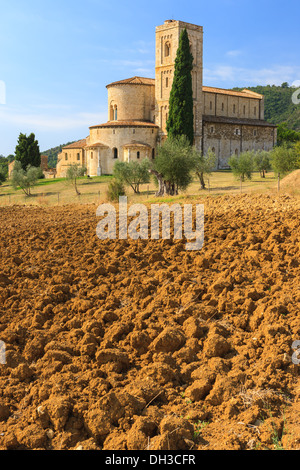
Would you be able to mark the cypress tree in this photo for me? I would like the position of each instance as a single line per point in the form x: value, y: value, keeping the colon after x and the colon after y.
x: 27, y: 151
x: 181, y: 116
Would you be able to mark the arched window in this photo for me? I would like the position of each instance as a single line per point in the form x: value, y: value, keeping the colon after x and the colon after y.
x: 167, y: 82
x: 116, y: 113
x: 153, y: 154
x: 111, y: 112
x: 138, y: 155
x: 167, y: 49
x: 236, y: 151
x: 115, y: 153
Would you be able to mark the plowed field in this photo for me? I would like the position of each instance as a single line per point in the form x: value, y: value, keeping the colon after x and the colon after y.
x: 134, y: 345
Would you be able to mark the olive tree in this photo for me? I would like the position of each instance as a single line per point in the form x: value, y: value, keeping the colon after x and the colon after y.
x: 132, y: 173
x: 242, y: 165
x: 204, y: 165
x: 74, y: 172
x: 25, y: 179
x: 173, y: 165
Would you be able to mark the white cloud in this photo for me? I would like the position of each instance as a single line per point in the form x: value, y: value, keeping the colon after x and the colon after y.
x: 238, y: 76
x: 51, y: 122
x: 235, y: 53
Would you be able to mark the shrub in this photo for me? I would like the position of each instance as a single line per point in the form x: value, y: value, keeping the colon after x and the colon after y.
x: 115, y: 189
x: 242, y: 165
x: 283, y: 160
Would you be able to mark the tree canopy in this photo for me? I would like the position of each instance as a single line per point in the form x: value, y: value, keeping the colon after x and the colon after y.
x: 74, y: 172
x: 204, y: 164
x: 132, y: 173
x: 242, y: 165
x: 174, y: 164
x: 25, y: 179
x: 283, y: 160
x: 28, y: 151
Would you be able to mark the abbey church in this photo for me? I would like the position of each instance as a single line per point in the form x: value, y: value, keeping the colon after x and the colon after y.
x: 228, y: 122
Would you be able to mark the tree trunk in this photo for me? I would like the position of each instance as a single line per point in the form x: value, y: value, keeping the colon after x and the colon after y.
x: 161, y: 183
x: 76, y: 189
x: 201, y: 179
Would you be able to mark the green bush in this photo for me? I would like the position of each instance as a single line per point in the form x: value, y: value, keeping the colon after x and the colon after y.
x: 2, y: 175
x: 283, y: 160
x: 115, y: 189
x: 242, y: 165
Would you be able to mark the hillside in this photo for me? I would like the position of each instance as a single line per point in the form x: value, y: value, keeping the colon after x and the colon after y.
x: 278, y: 104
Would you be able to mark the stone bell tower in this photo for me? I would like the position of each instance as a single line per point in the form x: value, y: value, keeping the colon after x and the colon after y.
x: 167, y: 41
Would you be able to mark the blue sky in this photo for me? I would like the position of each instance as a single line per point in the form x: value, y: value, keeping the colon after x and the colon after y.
x: 56, y: 57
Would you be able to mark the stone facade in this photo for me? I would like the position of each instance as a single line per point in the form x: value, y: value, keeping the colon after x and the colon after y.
x: 228, y: 136
x: 226, y: 121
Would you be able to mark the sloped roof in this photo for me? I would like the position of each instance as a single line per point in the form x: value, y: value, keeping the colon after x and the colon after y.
x: 96, y: 144
x: 244, y: 94
x: 237, y: 121
x: 134, y: 81
x: 134, y: 143
x: 126, y: 124
x: 76, y: 145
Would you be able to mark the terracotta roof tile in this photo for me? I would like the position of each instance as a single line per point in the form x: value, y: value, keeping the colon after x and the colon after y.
x: 76, y: 145
x: 245, y: 93
x: 97, y: 144
x: 134, y: 81
x: 126, y: 124
x: 237, y: 121
x: 134, y: 143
